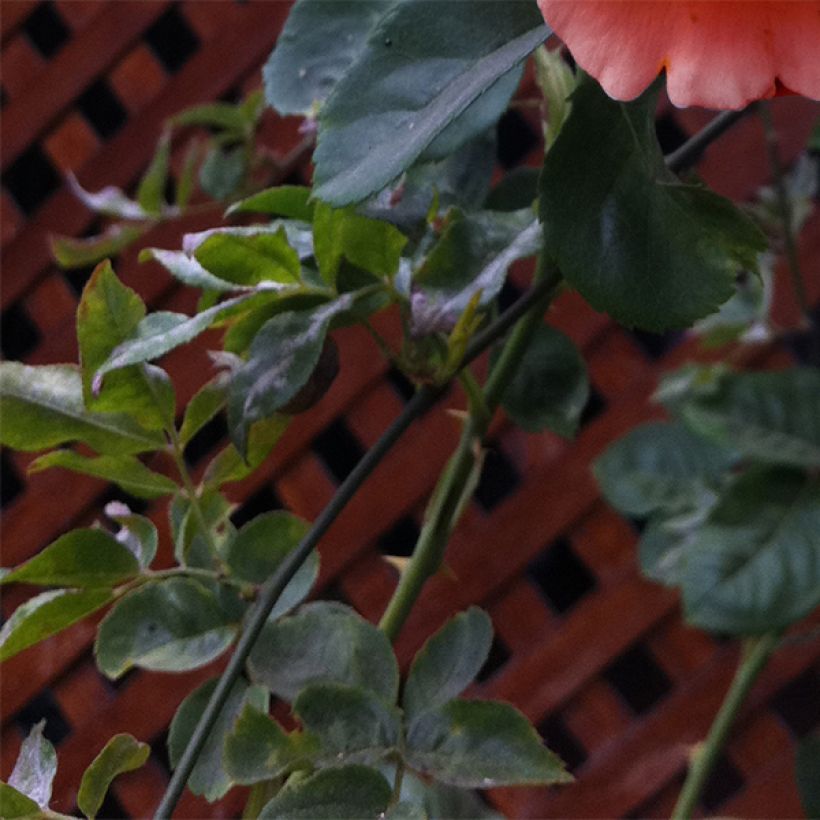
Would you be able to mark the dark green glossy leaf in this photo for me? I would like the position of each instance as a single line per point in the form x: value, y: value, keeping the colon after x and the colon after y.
x: 223, y: 171
x: 123, y: 753
x: 71, y: 252
x: 14, y: 804
x: 89, y: 558
x: 369, y: 244
x: 108, y: 314
x: 771, y: 417
x: 209, y: 777
x: 192, y: 546
x: 424, y: 65
x: 405, y: 811
x: 228, y: 465
x: 350, y: 722
x: 43, y: 407
x: 324, y: 642
x: 169, y: 626
x: 517, y: 190
x: 446, y: 665
x: 221, y: 115
x: 257, y: 748
x: 151, y: 190
x: 664, y: 543
x: 160, y: 333
x: 282, y: 357
x: 203, y: 406
x: 35, y: 768
x: 46, y: 615
x: 260, y: 547
x: 473, y: 255
x: 125, y: 471
x: 137, y: 533
x: 754, y: 566
x: 443, y: 802
x: 481, y: 744
x: 550, y: 388
x: 320, y: 41
x: 331, y: 794
x: 660, y: 466
x: 807, y: 773
x: 252, y: 258
x: 291, y: 201
x: 636, y: 242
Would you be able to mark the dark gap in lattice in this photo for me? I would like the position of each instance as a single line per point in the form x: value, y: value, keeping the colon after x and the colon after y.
x: 670, y: 134
x: 638, y: 524
x: 338, y: 448
x: 11, y: 485
x: 111, y: 808
x: 172, y: 40
x: 559, y: 739
x: 724, y: 783
x: 263, y: 500
x: 400, y: 539
x: 401, y: 384
x: 498, y: 657
x: 515, y: 139
x: 595, y: 406
x: 44, y: 706
x: 655, y: 345
x: 508, y: 296
x: 499, y: 479
x: 31, y: 179
x: 136, y: 505
x: 206, y: 440
x: 46, y: 29
x: 334, y: 592
x: 805, y: 344
x: 561, y: 576
x: 638, y: 679
x: 100, y: 106
x: 233, y: 95
x: 798, y: 704
x: 159, y: 752
x: 19, y: 335
x: 123, y: 681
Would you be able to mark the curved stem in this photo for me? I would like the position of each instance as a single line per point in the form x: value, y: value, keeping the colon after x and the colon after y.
x: 755, y: 656
x: 458, y: 478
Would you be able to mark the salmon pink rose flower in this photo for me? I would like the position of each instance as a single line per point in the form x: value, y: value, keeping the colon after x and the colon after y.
x: 716, y: 53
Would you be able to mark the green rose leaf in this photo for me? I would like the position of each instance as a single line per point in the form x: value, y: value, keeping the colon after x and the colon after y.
x: 260, y: 547
x: 257, y: 748
x: 170, y: 626
x: 447, y: 663
x: 14, y: 804
x: 635, y: 241
x: 330, y: 794
x: 43, y: 407
x: 550, y: 387
x: 350, y: 722
x: 770, y: 417
x: 88, y: 558
x: 125, y: 471
x: 320, y: 41
x: 209, y: 777
x: 46, y: 615
x: 431, y: 76
x: 250, y: 258
x: 664, y: 543
x: 754, y: 566
x: 151, y: 189
x: 223, y: 171
x: 807, y: 773
x: 203, y: 406
x: 282, y: 357
x: 442, y: 801
x: 161, y: 332
x: 137, y: 533
x: 108, y: 314
x: 323, y: 643
x: 123, y: 753
x: 188, y: 270
x: 405, y: 811
x: 661, y: 466
x: 369, y: 244
x: 35, y: 768
x: 473, y: 255
x: 291, y: 201
x: 481, y: 744
x: 71, y: 252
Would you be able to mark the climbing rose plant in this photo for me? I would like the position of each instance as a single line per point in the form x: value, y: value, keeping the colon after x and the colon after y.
x: 403, y: 215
